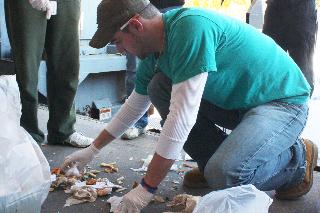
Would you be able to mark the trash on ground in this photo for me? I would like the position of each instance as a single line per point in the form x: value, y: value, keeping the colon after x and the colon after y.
x: 158, y: 199
x: 82, y: 188
x: 56, y: 171
x: 120, y: 180
x: 73, y: 171
x: 146, y: 163
x: 110, y: 167
x: 94, y: 171
x: 81, y: 195
x: 188, y: 202
x: 104, y: 191
x: 91, y: 181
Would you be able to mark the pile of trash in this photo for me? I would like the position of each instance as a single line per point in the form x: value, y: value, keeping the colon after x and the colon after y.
x: 84, y: 187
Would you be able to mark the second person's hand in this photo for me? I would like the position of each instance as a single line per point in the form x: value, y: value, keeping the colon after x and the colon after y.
x: 81, y: 158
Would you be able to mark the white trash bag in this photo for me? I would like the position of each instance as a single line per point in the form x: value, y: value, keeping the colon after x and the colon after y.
x: 240, y: 199
x: 25, y: 172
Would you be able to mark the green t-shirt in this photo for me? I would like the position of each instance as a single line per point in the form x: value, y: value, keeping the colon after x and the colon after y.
x: 245, y: 67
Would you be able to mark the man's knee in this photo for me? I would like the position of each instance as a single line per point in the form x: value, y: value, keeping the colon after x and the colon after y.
x: 222, y: 175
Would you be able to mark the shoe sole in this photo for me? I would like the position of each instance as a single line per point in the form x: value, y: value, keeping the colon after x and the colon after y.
x: 314, y: 155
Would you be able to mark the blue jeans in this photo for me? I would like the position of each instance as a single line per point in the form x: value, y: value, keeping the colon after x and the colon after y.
x: 263, y: 149
x: 130, y: 82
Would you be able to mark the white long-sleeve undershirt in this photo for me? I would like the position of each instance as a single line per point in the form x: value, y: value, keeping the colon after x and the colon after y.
x: 184, y: 106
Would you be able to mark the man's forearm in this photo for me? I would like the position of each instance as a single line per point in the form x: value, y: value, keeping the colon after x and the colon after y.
x: 157, y: 170
x: 103, y: 139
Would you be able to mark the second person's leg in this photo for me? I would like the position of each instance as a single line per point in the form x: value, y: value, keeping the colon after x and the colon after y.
x: 62, y: 47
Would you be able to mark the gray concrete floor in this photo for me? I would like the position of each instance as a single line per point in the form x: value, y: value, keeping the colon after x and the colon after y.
x: 121, y: 151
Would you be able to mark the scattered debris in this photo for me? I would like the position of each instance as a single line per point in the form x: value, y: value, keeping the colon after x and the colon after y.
x: 111, y: 170
x: 73, y: 171
x: 94, y: 171
x: 86, y: 190
x: 188, y: 202
x: 56, y: 171
x: 62, y: 181
x: 176, y: 182
x: 146, y: 163
x: 81, y: 195
x: 91, y: 181
x: 104, y: 191
x: 120, y: 180
x: 120, y: 190
x: 110, y: 167
x: 108, y: 164
x: 91, y: 175
x: 158, y: 199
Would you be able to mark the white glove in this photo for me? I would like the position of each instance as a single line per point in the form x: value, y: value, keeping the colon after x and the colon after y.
x: 42, y: 5
x: 80, y: 158
x: 134, y: 201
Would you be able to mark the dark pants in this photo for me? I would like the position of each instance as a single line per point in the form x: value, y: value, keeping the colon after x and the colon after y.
x: 30, y: 34
x: 293, y: 25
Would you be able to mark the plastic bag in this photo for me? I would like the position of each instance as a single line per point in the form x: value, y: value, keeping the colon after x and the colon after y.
x: 25, y: 172
x: 241, y: 199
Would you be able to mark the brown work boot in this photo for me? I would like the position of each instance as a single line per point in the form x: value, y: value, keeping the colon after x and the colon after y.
x: 195, y: 179
x: 305, y: 186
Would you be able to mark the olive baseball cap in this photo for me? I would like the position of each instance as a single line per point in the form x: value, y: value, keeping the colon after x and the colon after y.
x: 111, y: 15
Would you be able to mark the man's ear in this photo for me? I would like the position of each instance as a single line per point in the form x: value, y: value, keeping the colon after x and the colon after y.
x: 135, y: 25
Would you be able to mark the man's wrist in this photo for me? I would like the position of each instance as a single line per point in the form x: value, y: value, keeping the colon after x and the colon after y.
x: 149, y: 188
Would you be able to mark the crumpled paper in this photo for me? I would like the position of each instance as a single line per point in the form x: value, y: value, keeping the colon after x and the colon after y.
x: 88, y: 193
x: 73, y: 171
x: 188, y: 202
x: 81, y: 195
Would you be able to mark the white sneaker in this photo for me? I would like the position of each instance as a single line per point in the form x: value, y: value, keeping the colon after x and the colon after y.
x: 133, y: 132
x: 78, y: 140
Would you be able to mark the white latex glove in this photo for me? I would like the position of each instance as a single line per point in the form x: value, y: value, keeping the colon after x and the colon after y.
x: 134, y: 201
x: 42, y: 5
x: 80, y: 158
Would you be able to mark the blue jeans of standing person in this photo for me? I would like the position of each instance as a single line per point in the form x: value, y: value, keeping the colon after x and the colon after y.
x: 130, y: 82
x: 263, y: 149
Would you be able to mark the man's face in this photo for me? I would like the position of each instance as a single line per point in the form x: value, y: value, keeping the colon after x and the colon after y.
x: 128, y: 42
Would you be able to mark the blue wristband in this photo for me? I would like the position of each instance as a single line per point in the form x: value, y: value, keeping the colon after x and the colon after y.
x: 150, y: 189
